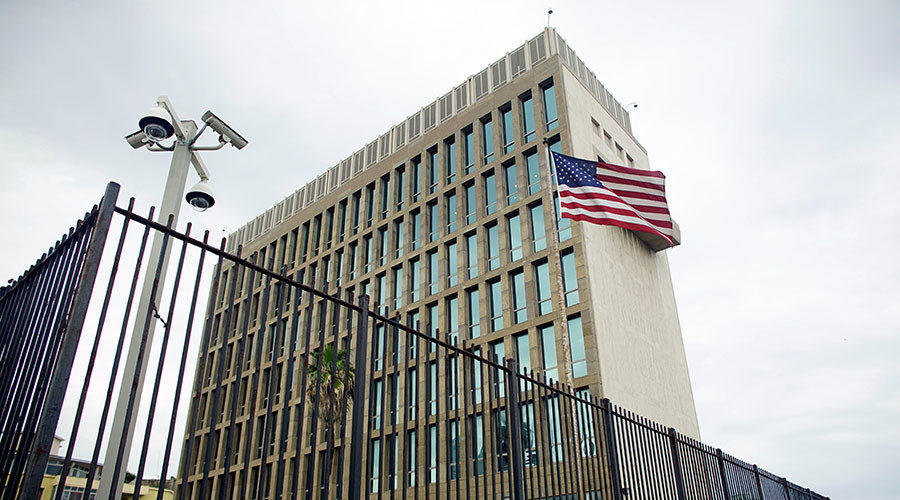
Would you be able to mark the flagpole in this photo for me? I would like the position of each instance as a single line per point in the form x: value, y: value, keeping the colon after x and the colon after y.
x: 568, y: 366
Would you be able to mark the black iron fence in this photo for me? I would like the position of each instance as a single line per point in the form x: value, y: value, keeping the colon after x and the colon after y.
x: 303, y: 389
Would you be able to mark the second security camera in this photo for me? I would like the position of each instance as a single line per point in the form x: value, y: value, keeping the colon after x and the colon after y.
x: 200, y: 196
x: 224, y: 130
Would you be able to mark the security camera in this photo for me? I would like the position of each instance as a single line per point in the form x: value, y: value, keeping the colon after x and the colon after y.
x: 200, y: 196
x: 157, y: 124
x: 138, y: 139
x: 224, y: 130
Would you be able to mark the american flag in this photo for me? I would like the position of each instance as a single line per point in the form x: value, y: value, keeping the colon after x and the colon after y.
x: 600, y: 193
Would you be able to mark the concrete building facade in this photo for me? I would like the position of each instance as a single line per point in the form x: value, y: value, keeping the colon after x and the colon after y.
x: 451, y: 216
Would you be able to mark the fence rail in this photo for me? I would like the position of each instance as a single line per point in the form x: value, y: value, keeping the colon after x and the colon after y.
x: 304, y: 389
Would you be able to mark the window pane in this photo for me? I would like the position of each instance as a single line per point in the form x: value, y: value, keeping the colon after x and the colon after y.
x: 451, y: 213
x: 487, y: 141
x: 490, y: 194
x: 570, y: 278
x: 520, y: 311
x: 542, y: 280
x: 550, y: 108
x: 538, y: 232
x: 548, y: 350
x: 493, y: 247
x: 416, y: 179
x: 512, y: 184
x: 470, y: 204
x: 450, y: 162
x: 576, y: 344
x: 515, y: 237
x: 469, y: 140
x: 496, y: 296
x: 432, y: 171
x: 471, y: 256
x: 452, y: 265
x: 508, y: 135
x: 474, y: 318
x: 528, y: 119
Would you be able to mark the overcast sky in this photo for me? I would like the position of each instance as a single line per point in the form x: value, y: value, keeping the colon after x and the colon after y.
x: 776, y: 123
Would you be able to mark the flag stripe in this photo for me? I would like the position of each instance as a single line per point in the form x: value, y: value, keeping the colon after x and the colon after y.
x: 626, y: 212
x: 644, y: 206
x: 633, y: 171
x: 652, y: 187
x: 615, y: 222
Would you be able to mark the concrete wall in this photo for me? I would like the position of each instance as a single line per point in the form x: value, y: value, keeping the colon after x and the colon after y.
x: 640, y: 350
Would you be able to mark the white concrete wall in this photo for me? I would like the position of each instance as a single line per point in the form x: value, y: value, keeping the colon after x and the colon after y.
x: 641, y: 352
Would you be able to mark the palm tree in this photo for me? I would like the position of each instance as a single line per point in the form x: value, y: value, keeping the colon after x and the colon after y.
x: 334, y: 378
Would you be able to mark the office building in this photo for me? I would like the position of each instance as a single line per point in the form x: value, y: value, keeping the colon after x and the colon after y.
x: 450, y: 216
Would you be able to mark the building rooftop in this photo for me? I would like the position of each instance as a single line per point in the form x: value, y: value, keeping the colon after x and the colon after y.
x: 476, y: 87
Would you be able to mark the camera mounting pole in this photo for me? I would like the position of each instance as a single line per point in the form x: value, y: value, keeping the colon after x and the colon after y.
x: 135, y: 369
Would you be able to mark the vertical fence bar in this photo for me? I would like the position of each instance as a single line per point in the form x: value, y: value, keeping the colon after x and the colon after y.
x: 357, y: 425
x: 612, y: 458
x: 37, y: 460
x: 721, y: 461
x: 676, y: 464
x: 514, y: 422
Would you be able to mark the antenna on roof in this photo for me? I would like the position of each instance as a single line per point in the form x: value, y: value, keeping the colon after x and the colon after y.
x: 549, y: 11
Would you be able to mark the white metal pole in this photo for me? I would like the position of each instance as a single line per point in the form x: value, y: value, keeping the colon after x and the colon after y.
x: 171, y: 204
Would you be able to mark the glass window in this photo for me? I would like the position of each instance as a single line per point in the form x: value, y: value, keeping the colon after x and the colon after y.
x: 338, y: 267
x: 453, y: 452
x: 493, y: 247
x: 487, y: 141
x: 329, y: 227
x: 450, y: 161
x: 432, y: 387
x: 512, y: 184
x: 474, y: 317
x: 351, y: 261
x: 432, y: 324
x: 398, y: 190
x: 433, y: 227
x: 433, y: 270
x: 564, y: 226
x: 534, y: 173
x: 548, y: 351
x: 381, y: 290
x: 570, y: 278
x: 411, y: 458
x: 538, y: 231
x: 523, y: 351
x: 370, y: 204
x: 469, y: 142
x: 304, y: 240
x: 316, y: 232
x: 432, y: 171
x: 499, y: 352
x: 471, y: 256
x: 415, y: 270
x: 376, y: 465
x: 342, y: 220
x: 515, y: 237
x: 490, y: 194
x: 385, y: 195
x: 382, y: 245
x: 451, y: 213
x: 398, y: 287
x: 478, y: 425
x: 527, y: 118
x: 520, y: 309
x: 506, y: 124
x: 376, y: 404
x: 550, y: 113
x: 542, y: 280
x: 355, y: 213
x: 398, y: 239
x: 470, y: 204
x: 411, y: 397
x: 496, y: 303
x: 367, y: 254
x: 433, y: 454
x: 453, y: 319
x: 415, y: 179
x: 576, y: 345
x: 452, y: 265
x: 416, y: 230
